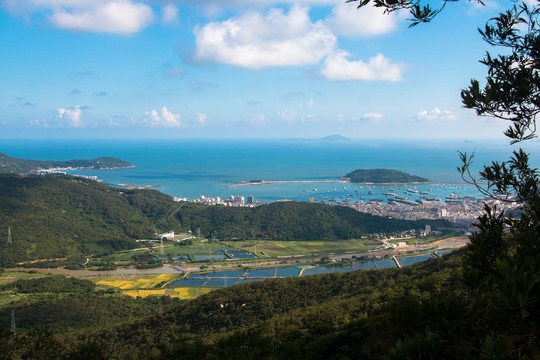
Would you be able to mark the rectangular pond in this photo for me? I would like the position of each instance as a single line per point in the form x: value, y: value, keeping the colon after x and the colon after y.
x: 444, y: 252
x: 266, y: 273
x: 239, y: 254
x: 409, y: 260
x: 384, y: 264
x: 326, y: 270
x: 289, y: 271
x: 219, y: 274
x: 363, y: 265
x: 221, y: 282
x: 209, y: 257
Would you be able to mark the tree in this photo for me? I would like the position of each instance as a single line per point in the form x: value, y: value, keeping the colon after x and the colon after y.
x: 501, y: 272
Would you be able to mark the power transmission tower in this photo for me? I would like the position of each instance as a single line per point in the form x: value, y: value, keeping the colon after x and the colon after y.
x: 9, y: 241
x: 13, y: 328
x: 162, y: 251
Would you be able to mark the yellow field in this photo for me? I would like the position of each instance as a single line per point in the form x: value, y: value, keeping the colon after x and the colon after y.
x: 183, y: 293
x: 135, y: 285
x: 134, y: 282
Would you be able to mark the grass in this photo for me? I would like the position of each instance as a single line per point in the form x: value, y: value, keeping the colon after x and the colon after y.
x: 198, y: 248
x: 289, y: 248
x: 11, y: 276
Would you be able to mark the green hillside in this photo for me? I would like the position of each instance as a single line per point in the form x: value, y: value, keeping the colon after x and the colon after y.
x: 56, y: 216
x: 292, y: 220
x: 10, y: 164
x: 378, y: 176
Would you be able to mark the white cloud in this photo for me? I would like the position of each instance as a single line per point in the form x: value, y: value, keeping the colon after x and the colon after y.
x: 73, y: 116
x: 258, y: 119
x: 287, y: 115
x: 39, y: 122
x: 369, y: 21
x: 169, y: 14
x: 373, y: 117
x: 163, y: 119
x: 114, y: 16
x: 337, y: 67
x: 201, y: 118
x: 256, y: 41
x: 435, y: 114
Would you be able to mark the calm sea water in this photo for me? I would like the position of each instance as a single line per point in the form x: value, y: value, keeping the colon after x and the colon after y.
x: 194, y: 167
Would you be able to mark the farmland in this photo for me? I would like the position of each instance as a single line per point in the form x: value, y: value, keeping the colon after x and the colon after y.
x: 151, y: 285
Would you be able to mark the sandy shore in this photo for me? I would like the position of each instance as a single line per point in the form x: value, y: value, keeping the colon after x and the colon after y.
x: 245, y: 183
x: 342, y: 181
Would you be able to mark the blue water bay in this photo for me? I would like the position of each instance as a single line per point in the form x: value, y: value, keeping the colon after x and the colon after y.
x: 193, y: 167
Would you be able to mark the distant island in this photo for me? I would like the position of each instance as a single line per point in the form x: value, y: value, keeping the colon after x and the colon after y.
x: 10, y: 164
x: 379, y: 176
x: 330, y: 138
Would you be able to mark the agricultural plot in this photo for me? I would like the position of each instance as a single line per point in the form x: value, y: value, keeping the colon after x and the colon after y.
x: 135, y: 282
x: 183, y: 293
x: 9, y: 277
x: 289, y: 248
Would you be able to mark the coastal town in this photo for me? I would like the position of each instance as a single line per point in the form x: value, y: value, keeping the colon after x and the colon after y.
x: 462, y: 210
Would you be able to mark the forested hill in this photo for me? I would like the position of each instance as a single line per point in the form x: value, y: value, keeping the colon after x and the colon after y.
x: 10, y: 164
x: 378, y: 176
x: 58, y: 215
x: 54, y: 216
x: 292, y: 220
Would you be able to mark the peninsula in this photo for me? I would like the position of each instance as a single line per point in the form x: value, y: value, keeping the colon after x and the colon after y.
x: 383, y: 176
x: 10, y: 164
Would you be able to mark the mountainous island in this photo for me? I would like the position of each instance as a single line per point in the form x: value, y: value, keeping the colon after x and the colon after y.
x: 10, y: 164
x: 382, y: 176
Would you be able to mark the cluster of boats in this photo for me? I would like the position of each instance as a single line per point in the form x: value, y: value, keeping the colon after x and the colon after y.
x: 392, y: 197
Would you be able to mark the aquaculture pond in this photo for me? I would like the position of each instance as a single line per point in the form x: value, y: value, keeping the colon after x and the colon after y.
x: 234, y: 277
x: 289, y: 271
x: 239, y: 254
x: 265, y: 273
x: 326, y: 270
x: 409, y: 260
x: 364, y: 265
x: 383, y: 264
x: 220, y: 274
x: 209, y: 257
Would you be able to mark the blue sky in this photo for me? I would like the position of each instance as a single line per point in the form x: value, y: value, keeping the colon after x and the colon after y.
x: 237, y: 69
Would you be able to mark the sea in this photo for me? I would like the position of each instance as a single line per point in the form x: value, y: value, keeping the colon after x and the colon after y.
x: 191, y: 168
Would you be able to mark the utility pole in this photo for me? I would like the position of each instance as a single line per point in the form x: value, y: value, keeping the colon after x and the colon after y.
x: 162, y: 251
x: 9, y: 241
